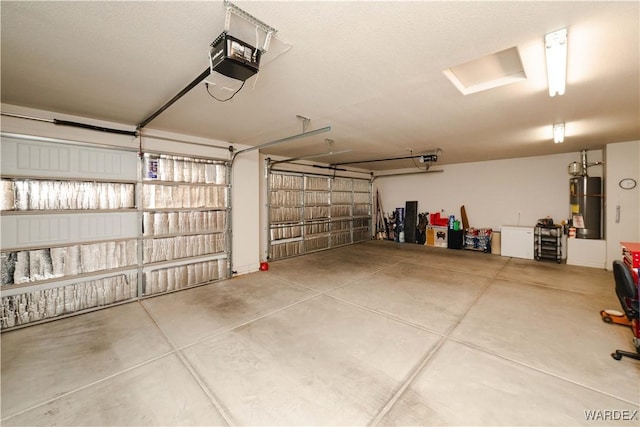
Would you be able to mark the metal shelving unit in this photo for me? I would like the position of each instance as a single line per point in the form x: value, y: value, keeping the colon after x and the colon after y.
x: 548, y: 242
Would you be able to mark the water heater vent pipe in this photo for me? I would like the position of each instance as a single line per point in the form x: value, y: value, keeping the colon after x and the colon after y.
x: 583, y: 160
x: 580, y: 169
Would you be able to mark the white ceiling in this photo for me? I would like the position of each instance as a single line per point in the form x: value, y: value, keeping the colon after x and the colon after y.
x: 370, y: 70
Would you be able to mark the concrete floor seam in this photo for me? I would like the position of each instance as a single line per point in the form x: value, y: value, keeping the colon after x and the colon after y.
x: 547, y: 286
x: 214, y: 401
x: 86, y: 386
x: 413, y: 374
x: 539, y: 370
x: 157, y: 325
x: 210, y: 395
x: 452, y: 268
x: 349, y: 282
x: 292, y: 283
x: 474, y: 302
x: 471, y: 345
x: 387, y: 316
x: 247, y: 322
x: 429, y: 356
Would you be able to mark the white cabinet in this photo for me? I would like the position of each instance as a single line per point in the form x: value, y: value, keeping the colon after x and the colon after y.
x: 587, y: 252
x: 517, y: 241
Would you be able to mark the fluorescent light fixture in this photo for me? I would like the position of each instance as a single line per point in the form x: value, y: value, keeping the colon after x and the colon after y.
x: 555, y: 45
x: 558, y: 133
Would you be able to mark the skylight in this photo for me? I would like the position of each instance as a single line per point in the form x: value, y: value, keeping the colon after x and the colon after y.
x: 488, y: 72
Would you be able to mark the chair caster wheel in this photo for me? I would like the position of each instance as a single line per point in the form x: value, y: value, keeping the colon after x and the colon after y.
x: 616, y: 356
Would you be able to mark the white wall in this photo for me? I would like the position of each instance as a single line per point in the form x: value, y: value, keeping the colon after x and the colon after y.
x: 245, y: 193
x: 622, y: 161
x: 245, y: 203
x: 494, y: 193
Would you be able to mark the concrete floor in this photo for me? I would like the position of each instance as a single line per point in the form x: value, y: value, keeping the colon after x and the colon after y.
x: 376, y: 333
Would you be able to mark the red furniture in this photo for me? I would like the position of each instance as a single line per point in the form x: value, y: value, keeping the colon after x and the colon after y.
x: 626, y: 276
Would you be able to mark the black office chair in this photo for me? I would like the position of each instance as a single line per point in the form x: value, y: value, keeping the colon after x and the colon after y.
x: 627, y: 292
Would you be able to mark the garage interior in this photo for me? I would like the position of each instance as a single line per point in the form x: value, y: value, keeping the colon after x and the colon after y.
x: 248, y: 244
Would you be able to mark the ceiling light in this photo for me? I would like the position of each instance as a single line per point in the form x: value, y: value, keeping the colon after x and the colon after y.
x: 555, y: 45
x: 558, y: 133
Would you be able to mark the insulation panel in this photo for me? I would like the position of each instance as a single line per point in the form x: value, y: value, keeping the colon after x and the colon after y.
x: 326, y: 217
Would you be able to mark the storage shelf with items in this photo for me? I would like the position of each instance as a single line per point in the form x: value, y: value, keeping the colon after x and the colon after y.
x: 478, y: 239
x: 334, y: 211
x: 548, y: 242
x: 69, y: 229
x: 184, y: 216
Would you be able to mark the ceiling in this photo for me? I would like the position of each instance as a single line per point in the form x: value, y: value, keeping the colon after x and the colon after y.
x: 373, y: 71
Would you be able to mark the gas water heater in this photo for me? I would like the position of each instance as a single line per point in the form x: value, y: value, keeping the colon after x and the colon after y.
x: 585, y: 199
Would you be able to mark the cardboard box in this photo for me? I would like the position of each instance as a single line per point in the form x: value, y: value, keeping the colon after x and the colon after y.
x: 437, y: 236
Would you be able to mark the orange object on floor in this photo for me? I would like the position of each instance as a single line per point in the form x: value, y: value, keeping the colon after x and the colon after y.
x: 614, y: 316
